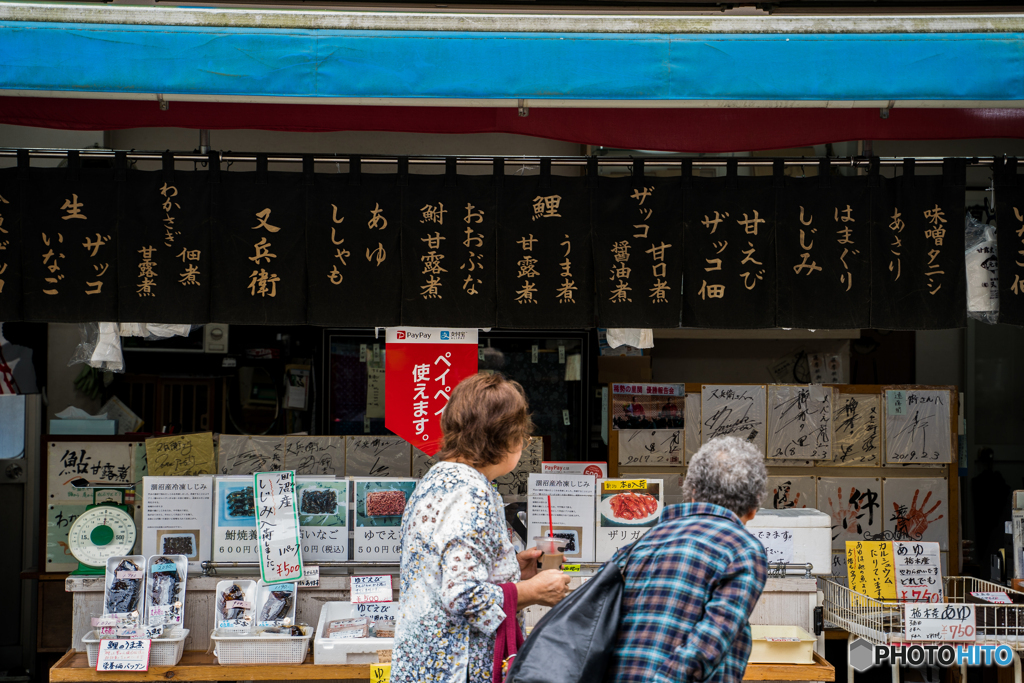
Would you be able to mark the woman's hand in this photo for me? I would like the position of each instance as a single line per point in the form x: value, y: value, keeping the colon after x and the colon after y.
x: 546, y: 588
x: 528, y: 562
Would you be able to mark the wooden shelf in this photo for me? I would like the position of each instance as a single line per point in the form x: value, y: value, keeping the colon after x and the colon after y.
x: 819, y: 671
x: 200, y: 666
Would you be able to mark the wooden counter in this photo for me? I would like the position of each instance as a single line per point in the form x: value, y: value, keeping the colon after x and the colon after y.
x: 819, y: 671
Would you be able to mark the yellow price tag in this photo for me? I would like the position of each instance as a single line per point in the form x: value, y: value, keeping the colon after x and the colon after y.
x: 570, y: 567
x: 380, y: 673
x: 625, y: 484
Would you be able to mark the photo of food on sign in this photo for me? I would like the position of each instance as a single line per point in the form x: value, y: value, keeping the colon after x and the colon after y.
x: 630, y: 507
x: 381, y: 503
x: 322, y: 503
x: 647, y: 406
x: 237, y: 507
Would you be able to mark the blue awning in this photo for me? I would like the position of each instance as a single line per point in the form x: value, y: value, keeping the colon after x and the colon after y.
x: 955, y: 68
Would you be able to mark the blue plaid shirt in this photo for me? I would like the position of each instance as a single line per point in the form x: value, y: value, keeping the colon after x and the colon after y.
x: 691, y: 584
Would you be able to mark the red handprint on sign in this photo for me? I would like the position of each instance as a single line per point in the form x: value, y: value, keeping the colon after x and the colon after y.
x: 846, y: 516
x: 911, y: 524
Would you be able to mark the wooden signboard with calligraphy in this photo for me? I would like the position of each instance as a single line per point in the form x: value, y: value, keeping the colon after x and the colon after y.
x: 260, y: 243
x: 545, y: 265
x: 1010, y: 240
x: 729, y: 231
x: 69, y: 249
x: 167, y: 247
x: 637, y: 248
x: 918, y: 280
x: 448, y: 242
x: 12, y: 228
x: 353, y: 248
x: 823, y: 251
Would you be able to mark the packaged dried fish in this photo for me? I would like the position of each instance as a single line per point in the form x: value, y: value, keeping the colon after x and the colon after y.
x: 125, y: 579
x: 275, y: 603
x: 234, y: 607
x: 165, y: 599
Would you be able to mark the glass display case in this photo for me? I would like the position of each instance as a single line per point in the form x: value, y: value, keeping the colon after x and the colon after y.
x: 553, y: 367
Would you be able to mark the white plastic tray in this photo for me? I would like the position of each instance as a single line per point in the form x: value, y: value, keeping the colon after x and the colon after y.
x: 350, y: 650
x: 165, y: 651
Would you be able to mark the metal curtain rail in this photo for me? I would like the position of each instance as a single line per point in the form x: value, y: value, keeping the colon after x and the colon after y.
x: 510, y: 161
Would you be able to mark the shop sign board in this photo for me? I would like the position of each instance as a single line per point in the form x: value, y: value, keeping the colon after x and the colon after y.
x: 423, y: 366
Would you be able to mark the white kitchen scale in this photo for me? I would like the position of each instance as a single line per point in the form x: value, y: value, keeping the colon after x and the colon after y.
x: 105, y: 529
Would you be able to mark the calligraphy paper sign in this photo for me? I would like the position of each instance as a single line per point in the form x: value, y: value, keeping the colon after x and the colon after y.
x: 448, y: 241
x: 259, y: 272
x: 123, y: 655
x: 353, y: 249
x: 423, y: 366
x: 949, y: 622
x: 187, y: 454
x: 277, y: 521
x: 823, y: 251
x: 166, y: 253
x: 638, y: 250
x: 918, y: 431
x: 738, y: 410
x: 12, y: 204
x: 545, y: 266
x: 69, y: 246
x: 858, y: 430
x: 918, y: 569
x: 729, y: 229
x: 799, y: 422
x: 1010, y: 240
x: 918, y: 280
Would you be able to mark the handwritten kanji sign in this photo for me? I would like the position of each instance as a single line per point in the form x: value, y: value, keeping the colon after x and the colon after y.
x: 124, y: 655
x: 277, y: 526
x: 944, y: 621
x: 423, y: 366
x: 371, y: 589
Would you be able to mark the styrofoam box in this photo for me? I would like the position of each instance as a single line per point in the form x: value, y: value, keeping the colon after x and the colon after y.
x: 812, y: 534
x: 781, y: 645
x: 349, y: 650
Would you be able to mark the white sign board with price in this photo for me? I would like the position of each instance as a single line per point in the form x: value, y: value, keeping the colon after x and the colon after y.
x: 996, y: 598
x: 778, y: 543
x: 277, y: 521
x: 371, y: 589
x: 918, y: 568
x: 124, y: 655
x: 945, y: 621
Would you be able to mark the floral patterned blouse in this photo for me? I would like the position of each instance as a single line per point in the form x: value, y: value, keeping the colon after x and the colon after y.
x: 455, y: 555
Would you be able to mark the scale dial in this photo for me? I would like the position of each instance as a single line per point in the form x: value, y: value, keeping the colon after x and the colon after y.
x: 101, y: 532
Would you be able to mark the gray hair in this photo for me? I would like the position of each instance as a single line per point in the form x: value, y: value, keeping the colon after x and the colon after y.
x: 730, y: 472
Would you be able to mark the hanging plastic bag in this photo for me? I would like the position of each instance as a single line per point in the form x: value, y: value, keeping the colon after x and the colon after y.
x: 982, y: 271
x: 152, y: 331
x: 100, y: 347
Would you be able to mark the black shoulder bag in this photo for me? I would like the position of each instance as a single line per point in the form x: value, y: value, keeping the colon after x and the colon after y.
x: 579, y: 634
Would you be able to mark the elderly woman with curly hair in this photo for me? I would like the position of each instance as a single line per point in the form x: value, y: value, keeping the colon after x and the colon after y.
x: 693, y: 580
x: 459, y: 569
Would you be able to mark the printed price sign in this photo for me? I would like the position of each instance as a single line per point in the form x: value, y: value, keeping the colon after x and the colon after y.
x: 570, y: 568
x: 124, y: 655
x: 380, y: 673
x: 278, y: 524
x: 918, y: 571
x: 625, y: 484
x: 942, y: 622
x: 310, y: 577
x: 997, y: 598
x: 778, y: 544
x: 371, y: 589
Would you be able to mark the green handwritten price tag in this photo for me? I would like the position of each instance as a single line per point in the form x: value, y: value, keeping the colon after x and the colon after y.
x: 625, y: 484
x: 380, y: 673
x: 570, y: 567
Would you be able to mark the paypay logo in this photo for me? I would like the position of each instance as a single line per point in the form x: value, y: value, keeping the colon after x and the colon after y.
x: 400, y: 334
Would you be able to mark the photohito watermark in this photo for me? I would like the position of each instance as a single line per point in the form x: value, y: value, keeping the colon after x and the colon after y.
x: 864, y: 655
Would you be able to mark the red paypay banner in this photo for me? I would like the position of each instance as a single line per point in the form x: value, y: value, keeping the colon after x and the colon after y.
x: 423, y: 366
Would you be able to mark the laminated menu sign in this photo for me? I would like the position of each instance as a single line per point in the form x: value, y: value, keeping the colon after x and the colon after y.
x: 277, y: 518
x: 869, y: 566
x: 323, y: 518
x: 379, y: 504
x: 176, y: 518
x: 572, y: 512
x: 626, y: 510
x: 941, y: 622
x: 234, y: 520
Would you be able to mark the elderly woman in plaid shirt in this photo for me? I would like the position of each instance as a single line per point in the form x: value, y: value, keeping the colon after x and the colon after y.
x: 693, y: 580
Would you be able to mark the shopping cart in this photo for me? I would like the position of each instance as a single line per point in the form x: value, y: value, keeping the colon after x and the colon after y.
x: 881, y: 622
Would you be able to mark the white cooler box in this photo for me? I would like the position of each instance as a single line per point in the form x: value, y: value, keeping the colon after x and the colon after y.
x: 812, y: 535
x: 350, y: 650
